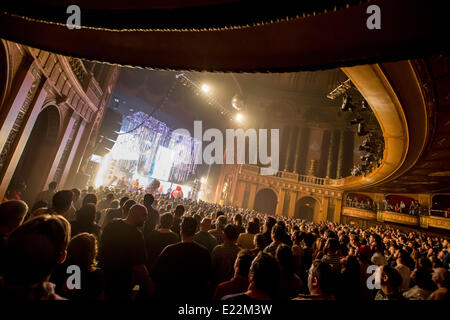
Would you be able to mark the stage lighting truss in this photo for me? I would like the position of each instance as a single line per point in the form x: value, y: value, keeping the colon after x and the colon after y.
x: 197, y: 89
x: 346, y: 103
x: 340, y: 90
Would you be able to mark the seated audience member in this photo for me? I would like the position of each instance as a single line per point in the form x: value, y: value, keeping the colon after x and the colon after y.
x: 85, y: 221
x: 441, y: 277
x: 178, y: 213
x: 90, y: 198
x: 203, y: 237
x: 404, y: 271
x: 424, y: 285
x: 289, y: 284
x: 157, y: 240
x: 350, y: 286
x: 153, y: 214
x: 224, y: 255
x: 117, y: 213
x: 48, y: 194
x: 71, y: 213
x: 263, y: 277
x: 81, y: 252
x: 239, y: 283
x: 221, y: 221
x: 245, y: 240
x: 127, y: 206
x: 297, y: 251
x: 38, y: 205
x: 321, y: 282
x: 12, y: 214
x: 104, y: 204
x: 183, y: 270
x: 76, y: 198
x: 113, y: 212
x: 277, y: 237
x: 104, y: 207
x: 332, y: 256
x: 34, y: 250
x: 391, y: 283
x: 259, y: 242
x: 286, y: 238
x: 238, y: 223
x: 267, y: 232
x: 122, y: 255
x: 62, y: 201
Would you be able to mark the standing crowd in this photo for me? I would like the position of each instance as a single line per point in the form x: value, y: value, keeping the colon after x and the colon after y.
x: 108, y: 244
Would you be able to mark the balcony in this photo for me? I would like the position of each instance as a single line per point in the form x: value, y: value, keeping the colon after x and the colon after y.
x: 401, y: 218
x: 359, y: 213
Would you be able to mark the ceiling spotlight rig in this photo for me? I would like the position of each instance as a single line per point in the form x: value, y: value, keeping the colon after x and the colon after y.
x: 373, y: 146
x: 340, y: 90
x: 205, y: 91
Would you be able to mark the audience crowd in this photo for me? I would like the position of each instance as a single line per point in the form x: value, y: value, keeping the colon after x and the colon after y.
x: 109, y: 244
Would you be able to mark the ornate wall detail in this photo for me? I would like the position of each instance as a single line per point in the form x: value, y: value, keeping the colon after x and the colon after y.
x: 67, y: 149
x: 20, y: 120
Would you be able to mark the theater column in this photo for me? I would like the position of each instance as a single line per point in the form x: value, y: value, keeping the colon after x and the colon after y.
x: 29, y: 120
x: 288, y: 149
x: 337, y: 211
x: 292, y: 201
x: 251, y: 198
x: 76, y: 155
x: 67, y: 126
x: 340, y: 159
x: 324, y: 209
x: 73, y: 149
x: 332, y: 150
x: 280, y: 204
x: 15, y: 102
x: 297, y: 151
x: 240, y: 191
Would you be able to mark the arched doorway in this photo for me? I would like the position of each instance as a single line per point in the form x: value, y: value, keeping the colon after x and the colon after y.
x: 38, y: 154
x: 304, y: 208
x: 266, y: 201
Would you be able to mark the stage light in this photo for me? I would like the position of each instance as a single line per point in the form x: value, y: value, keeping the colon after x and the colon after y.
x: 102, y: 171
x: 362, y: 130
x: 203, y: 180
x: 364, y: 106
x: 356, y: 121
x: 366, y: 158
x: 346, y: 103
x: 205, y: 88
x: 239, y: 117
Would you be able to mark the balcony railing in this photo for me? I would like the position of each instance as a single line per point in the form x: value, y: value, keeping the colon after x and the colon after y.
x: 440, y: 213
x: 293, y: 176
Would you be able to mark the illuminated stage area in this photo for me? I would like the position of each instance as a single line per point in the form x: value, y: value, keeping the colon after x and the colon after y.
x: 145, y: 150
x: 296, y: 151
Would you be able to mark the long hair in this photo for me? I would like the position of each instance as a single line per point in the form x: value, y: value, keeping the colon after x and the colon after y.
x: 82, y: 251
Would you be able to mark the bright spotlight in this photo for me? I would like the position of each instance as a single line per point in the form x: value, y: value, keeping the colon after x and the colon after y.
x: 239, y: 117
x: 203, y: 180
x: 205, y: 88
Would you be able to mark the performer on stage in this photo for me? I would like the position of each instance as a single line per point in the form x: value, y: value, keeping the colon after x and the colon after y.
x: 177, y: 193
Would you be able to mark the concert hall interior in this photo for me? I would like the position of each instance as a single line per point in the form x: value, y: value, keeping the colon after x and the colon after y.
x: 294, y: 121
